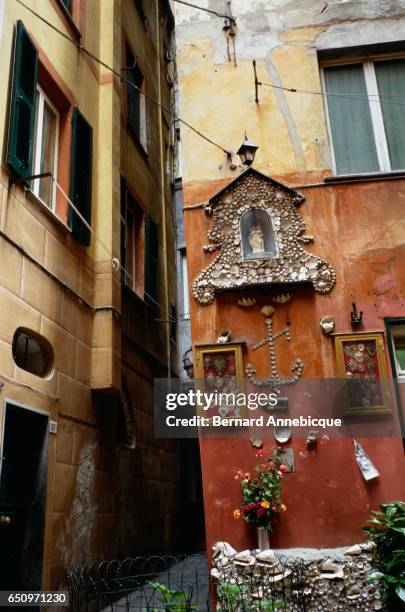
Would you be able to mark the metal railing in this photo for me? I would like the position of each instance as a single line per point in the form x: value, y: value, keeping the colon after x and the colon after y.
x: 182, y: 583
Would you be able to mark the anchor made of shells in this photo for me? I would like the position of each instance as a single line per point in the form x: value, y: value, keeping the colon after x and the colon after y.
x: 274, y: 381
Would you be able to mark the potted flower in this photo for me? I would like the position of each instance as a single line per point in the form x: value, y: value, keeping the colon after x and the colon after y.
x: 261, y: 496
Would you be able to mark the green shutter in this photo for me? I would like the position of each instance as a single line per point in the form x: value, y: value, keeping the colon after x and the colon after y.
x: 151, y: 262
x: 22, y: 109
x: 391, y: 87
x: 81, y: 176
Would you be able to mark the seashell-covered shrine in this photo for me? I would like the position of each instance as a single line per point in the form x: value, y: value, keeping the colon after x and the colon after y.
x: 259, y: 234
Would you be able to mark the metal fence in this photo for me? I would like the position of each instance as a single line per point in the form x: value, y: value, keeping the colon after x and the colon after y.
x: 182, y: 583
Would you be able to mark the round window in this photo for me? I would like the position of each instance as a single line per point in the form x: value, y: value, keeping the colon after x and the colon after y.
x: 33, y: 353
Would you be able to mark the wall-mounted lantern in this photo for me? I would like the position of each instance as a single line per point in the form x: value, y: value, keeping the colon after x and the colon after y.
x: 247, y: 152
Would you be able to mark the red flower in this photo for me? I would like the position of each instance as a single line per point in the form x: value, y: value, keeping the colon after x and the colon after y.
x: 260, y: 512
x: 259, y: 453
x: 283, y: 469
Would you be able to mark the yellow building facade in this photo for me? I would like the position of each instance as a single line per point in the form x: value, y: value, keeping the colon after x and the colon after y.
x: 77, y: 293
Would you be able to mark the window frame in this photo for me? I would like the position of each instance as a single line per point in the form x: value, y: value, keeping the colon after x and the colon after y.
x: 377, y: 120
x: 38, y: 134
x: 395, y: 325
x: 140, y: 138
x: 185, y: 284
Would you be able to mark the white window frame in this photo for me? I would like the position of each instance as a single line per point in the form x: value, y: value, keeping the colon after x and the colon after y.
x: 42, y: 97
x: 397, y: 330
x: 377, y: 120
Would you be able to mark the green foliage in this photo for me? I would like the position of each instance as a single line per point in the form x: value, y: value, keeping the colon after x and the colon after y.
x: 235, y: 598
x: 387, y: 529
x: 173, y: 601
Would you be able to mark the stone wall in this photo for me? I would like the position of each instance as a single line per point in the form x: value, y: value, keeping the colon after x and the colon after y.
x: 325, y: 579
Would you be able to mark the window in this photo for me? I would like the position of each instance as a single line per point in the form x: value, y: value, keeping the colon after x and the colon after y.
x: 151, y: 262
x: 398, y: 349
x: 365, y: 120
x: 173, y: 323
x: 132, y: 228
x: 136, y: 108
x: 184, y: 282
x: 32, y: 352
x: 81, y: 176
x: 46, y: 149
x: 67, y: 5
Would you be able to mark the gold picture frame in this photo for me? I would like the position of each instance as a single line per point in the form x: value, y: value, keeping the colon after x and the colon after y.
x: 361, y: 361
x: 219, y: 368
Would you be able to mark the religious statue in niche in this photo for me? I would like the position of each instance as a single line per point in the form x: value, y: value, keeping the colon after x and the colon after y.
x: 259, y: 235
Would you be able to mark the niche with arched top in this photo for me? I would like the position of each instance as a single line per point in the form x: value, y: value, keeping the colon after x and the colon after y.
x: 257, y: 235
x: 33, y: 353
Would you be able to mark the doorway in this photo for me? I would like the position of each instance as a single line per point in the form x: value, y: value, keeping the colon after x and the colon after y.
x: 23, y: 475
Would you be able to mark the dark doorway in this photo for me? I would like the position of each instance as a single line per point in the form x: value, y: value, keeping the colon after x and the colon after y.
x: 22, y: 498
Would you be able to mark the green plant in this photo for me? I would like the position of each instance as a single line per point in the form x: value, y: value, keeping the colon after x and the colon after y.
x: 261, y: 494
x: 235, y: 598
x: 387, y: 530
x: 173, y: 601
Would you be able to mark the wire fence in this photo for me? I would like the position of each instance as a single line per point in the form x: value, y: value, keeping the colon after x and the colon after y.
x: 182, y: 583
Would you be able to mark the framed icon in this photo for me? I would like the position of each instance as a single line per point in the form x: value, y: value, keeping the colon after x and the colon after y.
x: 219, y: 373
x: 361, y: 361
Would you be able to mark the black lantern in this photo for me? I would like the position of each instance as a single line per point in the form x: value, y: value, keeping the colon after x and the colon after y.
x: 247, y: 152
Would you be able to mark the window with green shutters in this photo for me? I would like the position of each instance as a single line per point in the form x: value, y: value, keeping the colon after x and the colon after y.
x: 365, y: 115
x: 81, y: 176
x: 151, y: 262
x: 22, y: 108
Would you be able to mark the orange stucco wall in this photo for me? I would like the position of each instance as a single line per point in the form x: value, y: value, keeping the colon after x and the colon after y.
x: 358, y: 229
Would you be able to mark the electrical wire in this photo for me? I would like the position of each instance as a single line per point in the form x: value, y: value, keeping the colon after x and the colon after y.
x: 175, y: 116
x: 206, y: 10
x: 362, y: 97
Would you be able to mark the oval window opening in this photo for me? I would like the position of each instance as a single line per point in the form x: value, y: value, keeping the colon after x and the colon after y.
x: 32, y: 352
x: 257, y: 233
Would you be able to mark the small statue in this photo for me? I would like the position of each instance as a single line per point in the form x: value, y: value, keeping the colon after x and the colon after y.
x: 256, y: 240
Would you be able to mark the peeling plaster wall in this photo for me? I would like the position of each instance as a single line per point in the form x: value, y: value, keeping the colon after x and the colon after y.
x: 358, y: 228
x: 283, y: 36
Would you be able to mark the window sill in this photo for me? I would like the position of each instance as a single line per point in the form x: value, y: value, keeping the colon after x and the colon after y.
x: 365, y: 176
x: 45, y: 209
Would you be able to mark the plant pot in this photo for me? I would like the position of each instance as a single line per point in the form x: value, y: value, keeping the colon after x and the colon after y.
x: 263, y: 542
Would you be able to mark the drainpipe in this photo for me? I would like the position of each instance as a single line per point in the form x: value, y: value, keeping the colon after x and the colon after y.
x: 166, y: 316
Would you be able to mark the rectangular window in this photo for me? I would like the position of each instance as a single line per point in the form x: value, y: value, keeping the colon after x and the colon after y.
x: 45, y: 149
x: 397, y: 332
x: 132, y: 241
x: 136, y: 107
x: 151, y: 262
x: 81, y: 177
x: 67, y: 5
x: 184, y: 282
x: 364, y: 103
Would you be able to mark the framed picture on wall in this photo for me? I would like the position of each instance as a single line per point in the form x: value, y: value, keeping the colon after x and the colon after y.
x: 361, y: 361
x: 219, y: 372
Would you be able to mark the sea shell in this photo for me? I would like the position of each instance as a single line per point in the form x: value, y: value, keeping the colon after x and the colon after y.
x: 267, y: 311
x: 246, y: 302
x: 282, y: 298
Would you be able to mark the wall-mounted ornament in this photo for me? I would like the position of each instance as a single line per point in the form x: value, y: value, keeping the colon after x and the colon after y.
x: 282, y: 434
x: 355, y: 316
x: 247, y: 302
x: 259, y: 235
x: 256, y: 442
x: 286, y: 455
x: 366, y: 466
x: 361, y: 361
x: 274, y: 381
x: 327, y: 325
x: 224, y: 336
x: 219, y: 374
x: 312, y: 438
